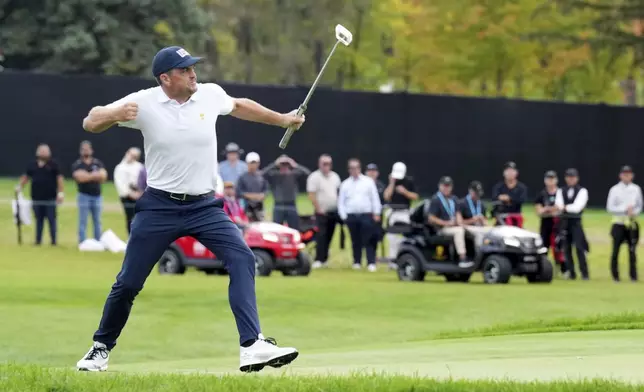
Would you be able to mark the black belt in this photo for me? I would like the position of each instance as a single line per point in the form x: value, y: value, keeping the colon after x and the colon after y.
x: 182, y: 196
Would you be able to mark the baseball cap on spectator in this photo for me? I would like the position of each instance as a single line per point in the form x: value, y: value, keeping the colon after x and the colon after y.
x: 372, y: 166
x: 229, y: 184
x: 510, y: 165
x: 572, y: 173
x: 550, y: 174
x: 170, y: 58
x: 446, y: 180
x: 477, y: 187
x: 252, y: 157
x: 626, y: 169
x: 398, y: 171
x: 233, y: 147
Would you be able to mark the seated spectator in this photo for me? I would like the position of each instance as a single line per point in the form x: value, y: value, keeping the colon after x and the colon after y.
x: 442, y: 216
x: 232, y: 208
x: 472, y: 213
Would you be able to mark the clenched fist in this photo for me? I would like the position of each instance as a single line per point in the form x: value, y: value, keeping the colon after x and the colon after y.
x: 127, y: 112
x: 292, y: 119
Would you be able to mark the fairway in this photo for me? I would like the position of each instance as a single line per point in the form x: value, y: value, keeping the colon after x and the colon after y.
x: 347, y: 324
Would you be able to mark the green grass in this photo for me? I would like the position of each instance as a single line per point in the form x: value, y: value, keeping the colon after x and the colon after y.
x: 341, y: 320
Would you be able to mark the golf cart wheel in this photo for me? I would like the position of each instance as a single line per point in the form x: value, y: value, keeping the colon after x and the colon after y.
x: 410, y: 268
x: 545, y: 272
x: 497, y: 269
x: 170, y: 263
x: 458, y: 277
x: 263, y: 262
x: 303, y: 267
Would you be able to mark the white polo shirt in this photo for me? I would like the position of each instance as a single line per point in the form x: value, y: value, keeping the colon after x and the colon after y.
x: 180, y: 140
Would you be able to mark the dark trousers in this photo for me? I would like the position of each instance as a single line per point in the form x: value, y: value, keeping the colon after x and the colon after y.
x: 159, y: 221
x: 45, y: 209
x: 575, y: 236
x: 286, y: 213
x: 128, y: 207
x: 361, y: 229
x: 326, y: 227
x: 548, y: 229
x: 621, y: 234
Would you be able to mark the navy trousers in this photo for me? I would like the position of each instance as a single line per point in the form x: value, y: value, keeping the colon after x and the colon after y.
x: 45, y: 209
x: 160, y: 220
x: 286, y: 213
x: 362, y: 231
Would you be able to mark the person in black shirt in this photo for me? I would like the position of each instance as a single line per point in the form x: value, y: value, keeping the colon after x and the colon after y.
x: 548, y: 212
x: 89, y: 173
x: 511, y: 194
x: 373, y: 173
x: 46, y: 190
x: 472, y: 213
x: 399, y: 194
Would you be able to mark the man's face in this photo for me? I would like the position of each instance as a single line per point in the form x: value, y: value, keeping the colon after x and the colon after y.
x: 550, y: 182
x: 572, y: 180
x: 43, y: 153
x: 354, y: 169
x: 446, y: 189
x: 253, y: 166
x: 232, y: 156
x: 474, y: 194
x: 626, y: 177
x: 325, y: 164
x: 229, y: 191
x: 86, y: 150
x: 181, y: 81
x: 510, y: 174
x: 373, y: 174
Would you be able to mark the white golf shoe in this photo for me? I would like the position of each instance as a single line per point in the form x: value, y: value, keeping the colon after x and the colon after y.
x: 317, y: 264
x: 95, y: 360
x: 265, y: 352
x: 372, y: 268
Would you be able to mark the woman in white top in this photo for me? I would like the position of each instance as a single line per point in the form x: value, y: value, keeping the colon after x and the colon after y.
x: 126, y: 176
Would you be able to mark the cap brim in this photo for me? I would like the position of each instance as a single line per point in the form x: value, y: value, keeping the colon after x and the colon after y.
x: 188, y: 62
x: 397, y: 175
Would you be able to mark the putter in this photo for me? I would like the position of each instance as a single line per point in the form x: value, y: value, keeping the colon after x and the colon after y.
x: 342, y: 35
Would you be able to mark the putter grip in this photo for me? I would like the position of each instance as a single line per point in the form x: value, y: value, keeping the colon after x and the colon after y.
x: 290, y: 131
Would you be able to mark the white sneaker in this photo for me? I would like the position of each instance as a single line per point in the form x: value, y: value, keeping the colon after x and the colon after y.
x: 466, y: 264
x: 265, y: 352
x: 393, y: 266
x: 356, y: 266
x: 372, y: 268
x: 317, y: 264
x: 95, y: 360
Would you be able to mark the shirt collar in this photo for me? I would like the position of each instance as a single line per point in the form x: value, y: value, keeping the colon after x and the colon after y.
x: 163, y: 98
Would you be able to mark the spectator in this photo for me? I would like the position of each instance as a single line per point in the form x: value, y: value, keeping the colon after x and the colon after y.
x: 625, y: 204
x: 359, y: 206
x: 472, y: 214
x: 252, y: 187
x: 89, y: 173
x: 142, y: 179
x: 282, y: 178
x: 399, y: 194
x: 126, y: 181
x: 373, y: 173
x: 548, y: 212
x: 571, y: 201
x: 443, y: 217
x: 511, y: 194
x: 231, y: 205
x: 323, y: 186
x: 47, y: 190
x: 232, y: 168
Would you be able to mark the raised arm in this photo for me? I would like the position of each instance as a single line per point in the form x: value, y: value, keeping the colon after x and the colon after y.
x: 101, y: 118
x: 249, y: 110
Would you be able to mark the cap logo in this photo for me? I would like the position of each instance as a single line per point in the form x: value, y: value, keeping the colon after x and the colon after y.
x: 182, y: 52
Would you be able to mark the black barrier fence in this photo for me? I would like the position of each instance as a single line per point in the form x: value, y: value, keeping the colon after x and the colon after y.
x: 466, y: 138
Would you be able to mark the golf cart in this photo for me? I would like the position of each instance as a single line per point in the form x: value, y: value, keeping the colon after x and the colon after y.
x: 505, y: 251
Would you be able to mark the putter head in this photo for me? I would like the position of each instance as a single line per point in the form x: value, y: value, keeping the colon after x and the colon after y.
x: 343, y: 35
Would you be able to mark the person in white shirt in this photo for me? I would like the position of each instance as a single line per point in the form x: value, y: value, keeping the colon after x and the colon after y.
x: 126, y: 176
x: 359, y: 207
x: 625, y: 204
x: 571, y: 201
x: 177, y: 120
x: 323, y: 186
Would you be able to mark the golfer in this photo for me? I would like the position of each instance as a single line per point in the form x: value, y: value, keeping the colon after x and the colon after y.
x: 177, y: 119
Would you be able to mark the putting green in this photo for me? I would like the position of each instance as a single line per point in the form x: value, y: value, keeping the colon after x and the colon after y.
x: 554, y: 356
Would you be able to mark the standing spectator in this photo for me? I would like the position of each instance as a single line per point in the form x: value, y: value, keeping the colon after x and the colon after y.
x: 46, y: 190
x: 359, y: 206
x: 443, y: 217
x: 625, y: 204
x: 571, y: 201
x: 323, y: 186
x: 89, y: 173
x: 142, y: 179
x: 282, y: 177
x: 232, y: 168
x: 511, y: 194
x: 373, y: 173
x: 548, y: 212
x: 399, y: 194
x: 126, y: 181
x: 252, y: 187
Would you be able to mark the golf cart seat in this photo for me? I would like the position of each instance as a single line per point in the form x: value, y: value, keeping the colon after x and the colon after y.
x: 419, y: 218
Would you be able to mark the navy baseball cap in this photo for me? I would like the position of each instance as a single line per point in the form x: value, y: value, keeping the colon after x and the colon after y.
x: 172, y: 57
x: 372, y: 166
